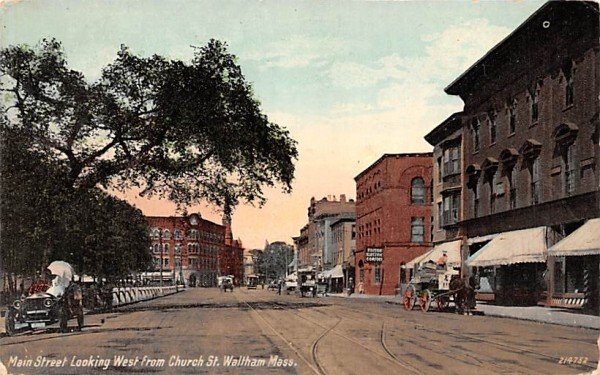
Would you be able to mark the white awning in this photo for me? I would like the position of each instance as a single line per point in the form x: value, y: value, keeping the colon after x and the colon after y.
x: 336, y: 272
x: 519, y: 246
x: 452, y: 249
x: 584, y: 241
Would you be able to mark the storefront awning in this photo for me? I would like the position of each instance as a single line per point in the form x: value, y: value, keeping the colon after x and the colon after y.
x: 519, y: 246
x: 584, y: 241
x: 452, y: 249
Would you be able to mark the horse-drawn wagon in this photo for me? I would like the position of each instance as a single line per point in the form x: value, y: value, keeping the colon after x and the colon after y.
x: 439, y: 285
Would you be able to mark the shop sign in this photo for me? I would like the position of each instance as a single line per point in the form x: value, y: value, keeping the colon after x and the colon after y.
x: 374, y: 255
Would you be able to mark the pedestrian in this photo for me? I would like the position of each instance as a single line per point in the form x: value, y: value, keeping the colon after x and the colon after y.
x: 279, y: 287
x: 361, y: 288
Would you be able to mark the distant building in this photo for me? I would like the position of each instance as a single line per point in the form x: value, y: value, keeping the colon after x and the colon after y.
x: 393, y: 219
x: 343, y: 236
x: 530, y: 145
x: 188, y: 246
x: 231, y: 258
x: 315, y: 245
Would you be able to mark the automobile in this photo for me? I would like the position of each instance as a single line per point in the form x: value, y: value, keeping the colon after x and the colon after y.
x: 252, y: 282
x: 273, y: 285
x: 61, y: 301
x: 225, y: 283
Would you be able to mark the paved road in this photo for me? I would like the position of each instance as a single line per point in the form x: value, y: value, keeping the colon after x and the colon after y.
x: 211, y: 330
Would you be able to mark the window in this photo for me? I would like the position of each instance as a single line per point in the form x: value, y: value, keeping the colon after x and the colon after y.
x: 166, y: 248
x: 451, y: 161
x: 166, y: 234
x: 476, y: 200
x: 492, y: 122
x: 155, y: 234
x: 569, y: 168
x: 451, y: 204
x: 377, y: 274
x: 512, y: 114
x: 177, y: 234
x: 475, y: 133
x: 417, y: 230
x: 568, y: 71
x: 535, y: 181
x: 512, y: 192
x: 439, y: 166
x: 495, y: 188
x: 534, y: 95
x: 440, y: 214
x: 156, y: 248
x: 418, y: 191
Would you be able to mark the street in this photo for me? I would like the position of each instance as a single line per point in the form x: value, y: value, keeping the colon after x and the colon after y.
x: 258, y: 331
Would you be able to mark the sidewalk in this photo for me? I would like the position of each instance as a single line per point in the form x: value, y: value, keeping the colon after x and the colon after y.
x: 539, y: 314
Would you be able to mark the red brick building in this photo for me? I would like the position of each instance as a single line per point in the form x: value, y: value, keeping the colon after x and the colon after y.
x: 393, y: 219
x: 189, y: 247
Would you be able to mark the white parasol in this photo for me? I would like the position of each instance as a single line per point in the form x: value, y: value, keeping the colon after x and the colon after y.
x: 62, y: 269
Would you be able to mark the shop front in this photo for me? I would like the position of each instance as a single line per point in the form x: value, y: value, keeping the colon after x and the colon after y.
x: 511, y: 267
x: 576, y: 264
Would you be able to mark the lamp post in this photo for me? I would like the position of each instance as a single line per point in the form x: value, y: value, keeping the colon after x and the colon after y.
x: 160, y: 233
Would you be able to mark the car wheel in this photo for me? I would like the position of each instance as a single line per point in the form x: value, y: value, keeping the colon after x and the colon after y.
x: 9, y: 322
x: 63, y: 319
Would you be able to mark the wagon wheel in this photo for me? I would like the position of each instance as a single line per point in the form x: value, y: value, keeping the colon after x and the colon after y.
x: 425, y: 300
x: 409, y: 297
x: 442, y: 302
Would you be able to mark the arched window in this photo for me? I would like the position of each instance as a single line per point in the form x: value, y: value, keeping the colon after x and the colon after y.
x: 166, y: 234
x: 155, y: 233
x: 156, y: 248
x: 417, y: 191
x: 166, y: 248
x: 177, y: 234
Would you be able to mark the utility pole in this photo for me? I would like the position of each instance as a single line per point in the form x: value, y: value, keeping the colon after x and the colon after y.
x: 160, y: 233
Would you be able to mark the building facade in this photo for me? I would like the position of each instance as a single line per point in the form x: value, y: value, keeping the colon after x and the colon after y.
x: 343, y: 235
x: 393, y: 219
x: 315, y: 243
x: 189, y: 248
x: 530, y: 150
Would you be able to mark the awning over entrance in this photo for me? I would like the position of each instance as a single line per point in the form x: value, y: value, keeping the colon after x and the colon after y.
x: 452, y: 249
x: 584, y: 241
x: 334, y: 273
x: 519, y: 246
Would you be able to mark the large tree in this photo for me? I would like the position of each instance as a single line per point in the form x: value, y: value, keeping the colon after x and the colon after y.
x: 186, y: 131
x: 44, y: 219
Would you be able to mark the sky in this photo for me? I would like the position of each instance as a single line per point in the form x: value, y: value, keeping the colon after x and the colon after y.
x: 350, y: 80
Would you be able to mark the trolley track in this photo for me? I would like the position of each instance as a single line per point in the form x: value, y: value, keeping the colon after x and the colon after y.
x: 512, y: 348
x: 389, y: 357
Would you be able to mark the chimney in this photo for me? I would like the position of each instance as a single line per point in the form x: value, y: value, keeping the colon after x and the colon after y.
x: 343, y: 198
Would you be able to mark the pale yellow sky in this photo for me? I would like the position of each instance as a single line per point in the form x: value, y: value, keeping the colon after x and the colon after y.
x: 350, y: 80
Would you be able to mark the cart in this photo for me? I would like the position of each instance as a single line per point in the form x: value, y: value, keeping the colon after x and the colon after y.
x: 437, y: 285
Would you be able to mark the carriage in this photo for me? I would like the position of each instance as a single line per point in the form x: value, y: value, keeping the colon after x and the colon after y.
x: 439, y: 286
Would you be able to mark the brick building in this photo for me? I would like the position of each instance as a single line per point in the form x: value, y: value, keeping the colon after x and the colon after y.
x: 530, y: 126
x: 393, y: 219
x: 315, y: 244
x: 189, y: 247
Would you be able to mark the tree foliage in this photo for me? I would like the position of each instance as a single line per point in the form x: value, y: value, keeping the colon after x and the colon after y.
x: 185, y: 131
x: 43, y: 218
x: 273, y: 260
